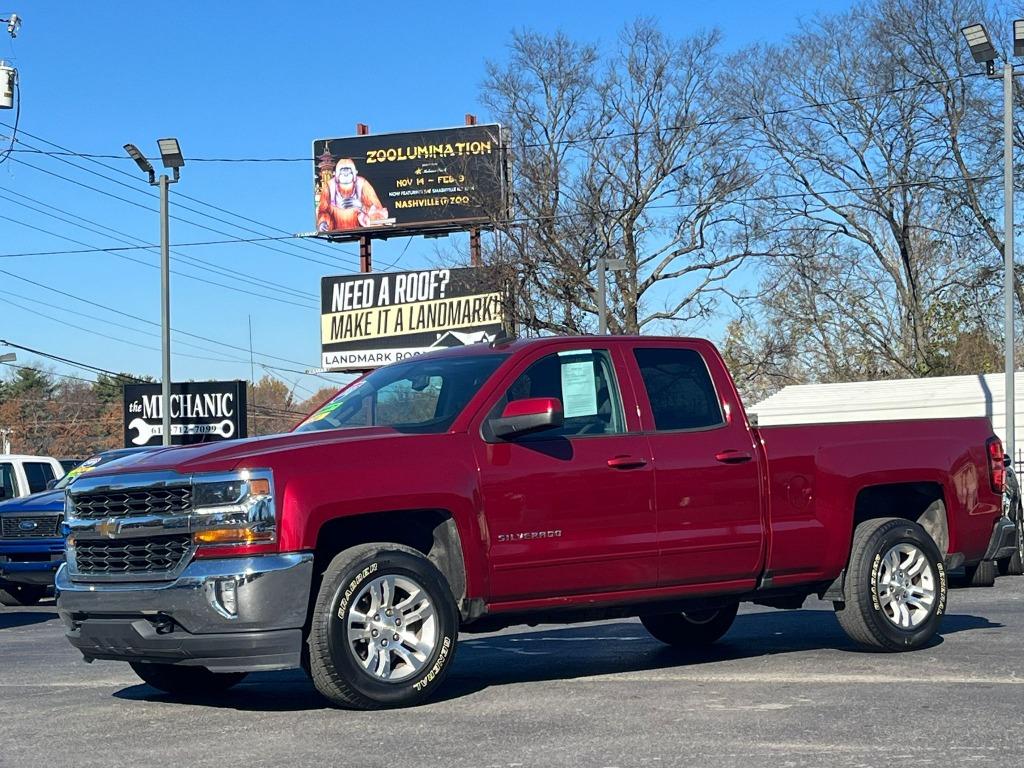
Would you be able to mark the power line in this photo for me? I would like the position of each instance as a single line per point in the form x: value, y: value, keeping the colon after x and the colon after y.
x: 933, y: 181
x: 119, y: 376
x: 153, y: 323
x: 73, y: 363
x: 134, y: 247
x: 95, y: 227
x: 583, y: 139
x: 260, y: 242
x: 130, y: 342
x: 153, y: 334
x: 134, y: 177
x: 204, y: 280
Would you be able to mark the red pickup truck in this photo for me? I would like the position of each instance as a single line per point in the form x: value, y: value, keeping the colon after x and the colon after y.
x: 545, y: 480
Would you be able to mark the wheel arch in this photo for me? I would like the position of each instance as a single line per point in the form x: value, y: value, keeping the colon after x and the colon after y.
x: 922, y: 502
x: 432, y: 532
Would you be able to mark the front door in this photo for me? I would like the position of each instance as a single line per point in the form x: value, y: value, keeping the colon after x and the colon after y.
x: 568, y: 510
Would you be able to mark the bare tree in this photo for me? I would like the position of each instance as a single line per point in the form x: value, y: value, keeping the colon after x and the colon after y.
x: 625, y: 158
x: 874, y: 252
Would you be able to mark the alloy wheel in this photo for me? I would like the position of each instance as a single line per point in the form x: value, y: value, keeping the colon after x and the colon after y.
x: 392, y: 628
x: 906, y: 586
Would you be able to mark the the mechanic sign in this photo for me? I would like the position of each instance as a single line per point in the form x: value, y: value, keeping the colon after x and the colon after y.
x: 201, y: 411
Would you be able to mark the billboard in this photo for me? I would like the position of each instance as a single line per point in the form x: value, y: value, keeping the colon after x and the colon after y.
x: 403, y: 183
x: 201, y: 412
x: 369, y: 320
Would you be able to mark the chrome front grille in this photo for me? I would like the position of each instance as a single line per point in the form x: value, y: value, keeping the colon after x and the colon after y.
x: 154, y: 554
x: 135, y: 502
x: 31, y: 527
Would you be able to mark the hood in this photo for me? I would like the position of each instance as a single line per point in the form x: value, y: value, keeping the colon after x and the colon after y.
x: 37, y: 503
x: 253, y: 452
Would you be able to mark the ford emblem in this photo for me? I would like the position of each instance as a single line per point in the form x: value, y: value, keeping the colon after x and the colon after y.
x: 27, y: 525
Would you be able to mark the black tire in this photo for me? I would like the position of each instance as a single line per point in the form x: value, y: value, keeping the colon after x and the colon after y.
x: 981, y: 575
x: 692, y: 629
x: 21, y: 594
x: 190, y: 682
x: 339, y: 668
x: 1014, y: 566
x: 864, y: 615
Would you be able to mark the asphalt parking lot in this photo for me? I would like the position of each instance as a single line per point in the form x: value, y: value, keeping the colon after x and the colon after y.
x: 783, y: 688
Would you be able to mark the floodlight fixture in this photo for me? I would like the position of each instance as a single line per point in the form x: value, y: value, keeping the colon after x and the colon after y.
x: 8, y: 357
x: 170, y: 153
x: 980, y: 43
x: 1018, y: 37
x: 139, y: 158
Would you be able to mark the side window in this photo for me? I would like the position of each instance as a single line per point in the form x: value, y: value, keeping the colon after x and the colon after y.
x: 38, y: 475
x: 408, y: 401
x: 8, y: 483
x: 584, y: 381
x: 679, y: 388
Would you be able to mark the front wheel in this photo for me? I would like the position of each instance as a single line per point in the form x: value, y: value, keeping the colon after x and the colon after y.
x: 690, y: 629
x: 21, y: 594
x: 384, y: 628
x: 186, y: 681
x: 895, y: 590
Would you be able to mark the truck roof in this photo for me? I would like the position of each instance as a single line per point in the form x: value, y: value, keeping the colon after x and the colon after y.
x: 516, y: 345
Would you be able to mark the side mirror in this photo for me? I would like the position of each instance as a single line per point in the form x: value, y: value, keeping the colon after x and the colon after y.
x: 532, y: 414
x: 50, y: 484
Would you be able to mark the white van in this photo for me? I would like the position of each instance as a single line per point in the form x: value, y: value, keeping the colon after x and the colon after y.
x: 25, y: 475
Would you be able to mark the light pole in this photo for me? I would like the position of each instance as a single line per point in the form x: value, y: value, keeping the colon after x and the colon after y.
x: 170, y: 154
x: 985, y: 53
x: 605, y: 265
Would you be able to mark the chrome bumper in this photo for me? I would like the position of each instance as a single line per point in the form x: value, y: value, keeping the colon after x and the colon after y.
x: 190, y: 620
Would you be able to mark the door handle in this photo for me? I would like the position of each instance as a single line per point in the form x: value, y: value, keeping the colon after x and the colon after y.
x: 627, y: 462
x: 733, y: 457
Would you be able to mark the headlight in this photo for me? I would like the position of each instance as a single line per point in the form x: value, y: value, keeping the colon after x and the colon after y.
x: 234, y: 508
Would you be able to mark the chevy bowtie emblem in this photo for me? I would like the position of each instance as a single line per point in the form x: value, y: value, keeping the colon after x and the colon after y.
x: 108, y: 527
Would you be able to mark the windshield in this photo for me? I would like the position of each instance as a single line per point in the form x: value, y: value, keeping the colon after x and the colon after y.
x: 422, y: 395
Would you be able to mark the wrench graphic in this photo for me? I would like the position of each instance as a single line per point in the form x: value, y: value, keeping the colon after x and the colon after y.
x: 146, y: 432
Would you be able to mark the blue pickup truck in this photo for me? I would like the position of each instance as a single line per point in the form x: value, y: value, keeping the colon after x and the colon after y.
x: 31, y: 541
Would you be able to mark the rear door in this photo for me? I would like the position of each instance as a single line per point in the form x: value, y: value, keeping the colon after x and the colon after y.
x: 568, y: 510
x: 707, y: 473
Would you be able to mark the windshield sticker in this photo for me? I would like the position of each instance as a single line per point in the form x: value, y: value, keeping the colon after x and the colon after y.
x: 579, y: 389
x: 81, y: 469
x: 324, y: 412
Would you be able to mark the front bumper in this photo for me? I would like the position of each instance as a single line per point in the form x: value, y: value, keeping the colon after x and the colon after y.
x: 30, y: 561
x: 188, y: 620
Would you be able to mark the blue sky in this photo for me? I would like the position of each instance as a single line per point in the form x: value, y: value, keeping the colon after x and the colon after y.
x: 240, y: 80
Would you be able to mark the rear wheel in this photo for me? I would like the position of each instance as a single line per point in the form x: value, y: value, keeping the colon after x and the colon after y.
x: 21, y: 594
x: 981, y: 575
x: 895, y: 590
x: 186, y: 681
x: 691, y: 629
x: 384, y: 628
